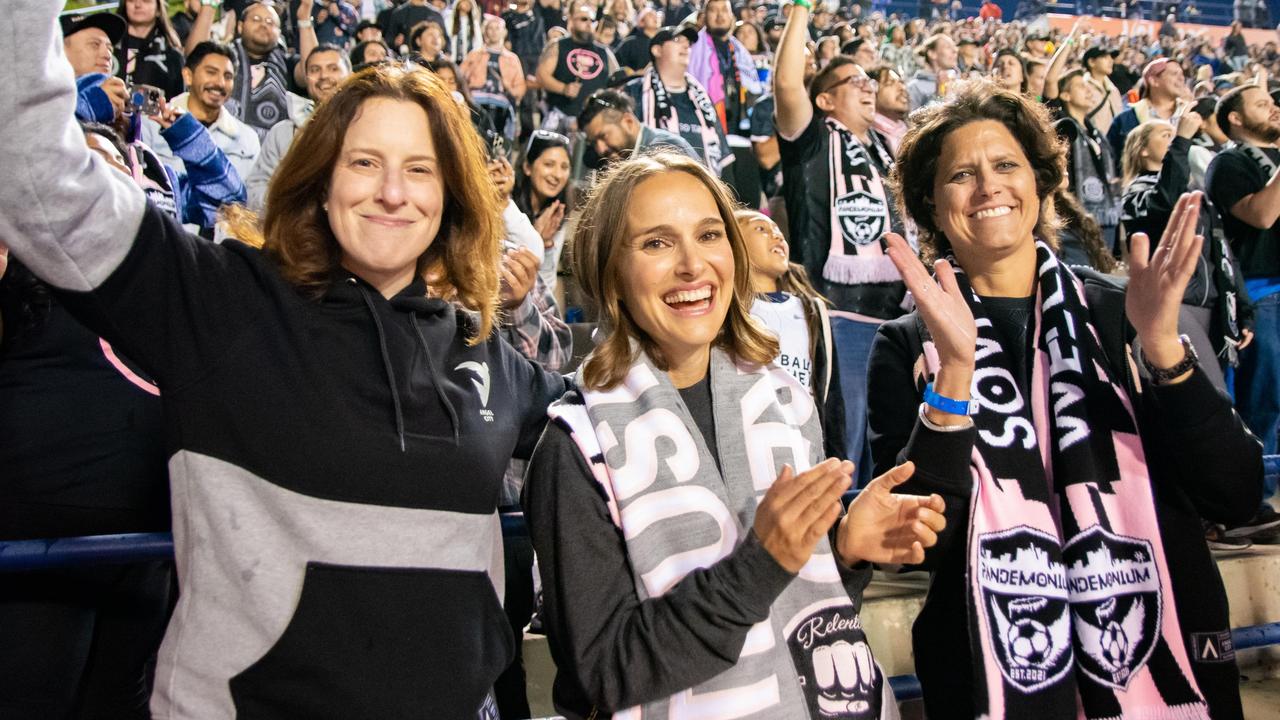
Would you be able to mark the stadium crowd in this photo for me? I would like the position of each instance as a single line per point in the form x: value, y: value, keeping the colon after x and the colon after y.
x: 323, y: 287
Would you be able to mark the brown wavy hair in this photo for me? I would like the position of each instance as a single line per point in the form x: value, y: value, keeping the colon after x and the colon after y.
x: 460, y: 265
x: 974, y: 100
x: 599, y: 243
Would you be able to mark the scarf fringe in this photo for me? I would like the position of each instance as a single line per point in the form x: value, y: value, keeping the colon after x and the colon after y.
x: 860, y: 269
x: 1188, y: 711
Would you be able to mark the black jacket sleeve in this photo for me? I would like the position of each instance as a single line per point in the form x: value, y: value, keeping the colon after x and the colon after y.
x: 897, y: 435
x: 611, y: 649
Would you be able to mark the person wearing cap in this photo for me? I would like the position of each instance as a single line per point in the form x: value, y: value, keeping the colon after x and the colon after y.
x: 834, y: 167
x: 1162, y: 87
x: 1036, y: 45
x: 367, y: 31
x: 1099, y: 62
x: 633, y: 55
x: 666, y: 96
x: 929, y: 82
x: 87, y: 42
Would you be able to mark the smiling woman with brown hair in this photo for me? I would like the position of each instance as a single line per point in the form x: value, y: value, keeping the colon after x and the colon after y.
x: 337, y: 426
x: 1073, y: 570
x: 696, y: 579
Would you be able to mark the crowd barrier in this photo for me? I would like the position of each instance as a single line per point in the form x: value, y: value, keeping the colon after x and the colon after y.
x: 27, y: 555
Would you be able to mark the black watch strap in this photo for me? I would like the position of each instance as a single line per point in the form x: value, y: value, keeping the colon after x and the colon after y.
x: 1164, y: 376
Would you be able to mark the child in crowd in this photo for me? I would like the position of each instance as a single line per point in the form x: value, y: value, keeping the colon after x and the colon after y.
x: 787, y: 303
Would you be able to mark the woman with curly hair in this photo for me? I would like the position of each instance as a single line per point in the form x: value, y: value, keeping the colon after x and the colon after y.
x: 339, y: 411
x: 1073, y: 573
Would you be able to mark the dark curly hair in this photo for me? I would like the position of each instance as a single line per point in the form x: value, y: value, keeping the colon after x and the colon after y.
x: 974, y: 100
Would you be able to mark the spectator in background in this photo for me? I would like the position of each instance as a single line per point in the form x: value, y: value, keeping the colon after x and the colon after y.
x: 929, y: 83
x: 150, y: 53
x: 87, y: 41
x: 183, y: 20
x: 724, y: 66
x: 633, y: 54
x: 1092, y: 170
x: 493, y: 69
x: 369, y: 52
x: 368, y: 31
x: 545, y: 193
x: 667, y: 96
x: 327, y: 66
x: 429, y: 40
x: 1244, y: 184
x: 990, y: 10
x: 892, y: 106
x: 969, y: 57
x: 1008, y: 72
x: 1099, y: 63
x: 863, y: 52
x: 1216, y: 312
x: 525, y: 34
x: 406, y: 17
x: 612, y: 131
x: 1163, y: 86
x: 834, y: 166
x: 335, y: 22
x: 210, y: 73
x: 574, y: 67
x: 465, y: 29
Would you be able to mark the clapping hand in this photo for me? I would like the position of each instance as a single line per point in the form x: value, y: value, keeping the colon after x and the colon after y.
x: 1158, y: 280
x: 518, y: 272
x: 798, y: 510
x: 548, y: 223
x: 884, y: 527
x: 940, y: 302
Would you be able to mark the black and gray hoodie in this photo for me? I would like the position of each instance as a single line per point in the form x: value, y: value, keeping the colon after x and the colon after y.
x: 335, y: 464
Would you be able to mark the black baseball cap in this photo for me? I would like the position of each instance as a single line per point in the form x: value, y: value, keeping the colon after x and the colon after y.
x: 365, y: 25
x: 669, y: 33
x: 967, y: 41
x: 1034, y: 35
x: 108, y: 22
x: 1097, y: 51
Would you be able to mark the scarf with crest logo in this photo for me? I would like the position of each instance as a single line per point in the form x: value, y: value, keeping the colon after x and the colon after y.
x: 1069, y: 594
x: 861, y: 209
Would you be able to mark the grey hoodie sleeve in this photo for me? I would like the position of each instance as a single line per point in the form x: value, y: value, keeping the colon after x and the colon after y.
x: 66, y: 214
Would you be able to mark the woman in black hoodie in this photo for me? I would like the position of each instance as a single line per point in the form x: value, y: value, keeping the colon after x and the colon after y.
x: 150, y: 52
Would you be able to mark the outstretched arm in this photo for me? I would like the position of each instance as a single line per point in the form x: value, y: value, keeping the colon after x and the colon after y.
x: 792, y: 108
x: 68, y: 216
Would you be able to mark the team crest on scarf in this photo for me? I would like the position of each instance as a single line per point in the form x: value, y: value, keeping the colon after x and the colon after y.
x: 862, y: 217
x: 837, y: 672
x: 1115, y: 603
x: 1024, y: 593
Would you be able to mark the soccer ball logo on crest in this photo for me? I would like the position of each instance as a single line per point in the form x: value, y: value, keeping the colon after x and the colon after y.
x: 1028, y: 641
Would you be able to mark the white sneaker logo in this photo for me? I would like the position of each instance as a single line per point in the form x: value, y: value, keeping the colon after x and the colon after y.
x: 481, y: 380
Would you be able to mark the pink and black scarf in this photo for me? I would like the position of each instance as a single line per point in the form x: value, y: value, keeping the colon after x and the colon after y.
x: 1069, y: 593
x: 657, y: 110
x: 860, y: 209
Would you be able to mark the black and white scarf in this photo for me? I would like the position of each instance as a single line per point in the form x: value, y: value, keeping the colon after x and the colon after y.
x: 1069, y: 594
x: 861, y: 209
x: 260, y: 98
x: 677, y: 512
x: 658, y: 110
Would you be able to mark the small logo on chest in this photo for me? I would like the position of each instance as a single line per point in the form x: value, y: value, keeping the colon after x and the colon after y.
x: 480, y: 378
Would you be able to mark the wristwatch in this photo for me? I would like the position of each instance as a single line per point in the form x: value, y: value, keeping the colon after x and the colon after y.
x: 1167, y: 375
x: 305, y: 23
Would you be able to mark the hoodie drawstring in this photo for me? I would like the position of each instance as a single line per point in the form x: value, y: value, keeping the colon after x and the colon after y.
x: 386, y: 361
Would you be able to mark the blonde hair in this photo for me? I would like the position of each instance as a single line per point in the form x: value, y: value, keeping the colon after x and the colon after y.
x: 461, y: 263
x: 599, y: 243
x: 1134, y: 144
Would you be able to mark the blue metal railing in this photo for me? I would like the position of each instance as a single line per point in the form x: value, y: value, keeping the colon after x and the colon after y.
x: 21, y: 555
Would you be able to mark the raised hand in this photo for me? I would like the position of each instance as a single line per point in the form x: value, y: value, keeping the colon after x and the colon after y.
x: 1156, y: 285
x: 518, y: 271
x: 940, y: 302
x: 548, y: 223
x: 798, y: 510
x: 884, y: 527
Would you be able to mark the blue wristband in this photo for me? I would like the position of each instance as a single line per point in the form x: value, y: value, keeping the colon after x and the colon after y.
x: 945, y: 404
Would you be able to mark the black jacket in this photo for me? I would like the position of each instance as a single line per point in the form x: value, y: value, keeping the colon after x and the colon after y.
x: 1203, y: 464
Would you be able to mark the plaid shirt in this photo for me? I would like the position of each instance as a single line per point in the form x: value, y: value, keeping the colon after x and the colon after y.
x: 537, y: 332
